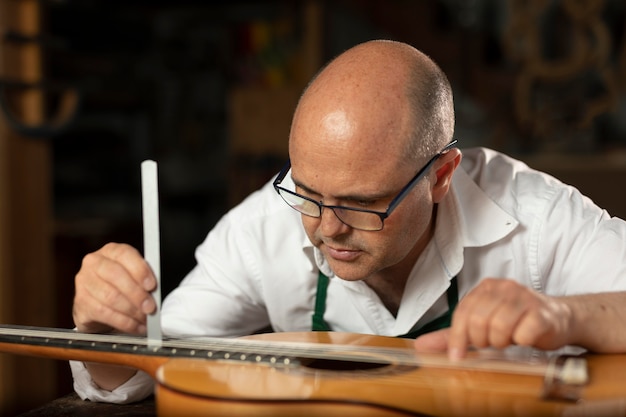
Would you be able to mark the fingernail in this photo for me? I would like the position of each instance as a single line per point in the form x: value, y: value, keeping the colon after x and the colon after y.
x: 148, y: 284
x: 141, y: 329
x: 148, y: 306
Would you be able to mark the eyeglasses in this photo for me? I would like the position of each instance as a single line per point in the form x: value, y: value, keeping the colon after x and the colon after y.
x: 357, y: 218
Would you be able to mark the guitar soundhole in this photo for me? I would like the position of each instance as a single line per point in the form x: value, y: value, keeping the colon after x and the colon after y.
x: 337, y: 365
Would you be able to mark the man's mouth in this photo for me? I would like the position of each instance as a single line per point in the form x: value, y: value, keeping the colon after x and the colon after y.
x: 342, y: 254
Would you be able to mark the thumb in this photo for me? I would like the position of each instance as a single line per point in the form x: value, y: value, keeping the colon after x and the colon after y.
x: 433, y: 342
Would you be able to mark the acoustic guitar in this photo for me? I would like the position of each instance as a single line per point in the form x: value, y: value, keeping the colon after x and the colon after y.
x: 340, y: 374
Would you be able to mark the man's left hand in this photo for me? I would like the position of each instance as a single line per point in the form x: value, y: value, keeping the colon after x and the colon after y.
x: 501, y: 312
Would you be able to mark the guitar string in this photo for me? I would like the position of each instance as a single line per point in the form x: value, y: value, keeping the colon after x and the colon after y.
x: 396, y: 356
x: 243, y: 345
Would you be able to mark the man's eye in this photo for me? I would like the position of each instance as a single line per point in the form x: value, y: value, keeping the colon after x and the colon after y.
x: 363, y: 203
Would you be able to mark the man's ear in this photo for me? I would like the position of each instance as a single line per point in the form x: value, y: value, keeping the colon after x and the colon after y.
x: 444, y: 168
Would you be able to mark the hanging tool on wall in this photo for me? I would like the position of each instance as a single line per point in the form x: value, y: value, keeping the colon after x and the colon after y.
x: 15, y: 91
x: 66, y: 99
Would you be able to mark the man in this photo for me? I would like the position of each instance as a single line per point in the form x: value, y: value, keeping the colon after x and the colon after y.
x: 393, y: 231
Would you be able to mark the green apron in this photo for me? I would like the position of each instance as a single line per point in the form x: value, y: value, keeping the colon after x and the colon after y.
x: 319, y: 324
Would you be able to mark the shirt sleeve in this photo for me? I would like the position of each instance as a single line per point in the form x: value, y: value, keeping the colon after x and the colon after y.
x: 589, y: 254
x: 565, y: 243
x: 137, y: 388
x: 223, y: 294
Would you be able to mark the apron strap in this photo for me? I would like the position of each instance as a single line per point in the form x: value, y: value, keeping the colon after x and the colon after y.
x: 440, y: 322
x: 319, y: 324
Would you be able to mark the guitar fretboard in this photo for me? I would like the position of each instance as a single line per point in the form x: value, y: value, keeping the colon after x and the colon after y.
x: 275, y: 353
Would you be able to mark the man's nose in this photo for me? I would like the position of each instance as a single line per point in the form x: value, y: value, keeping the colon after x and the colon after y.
x: 330, y: 225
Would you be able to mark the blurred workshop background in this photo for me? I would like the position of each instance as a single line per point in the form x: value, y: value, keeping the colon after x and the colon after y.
x: 90, y: 88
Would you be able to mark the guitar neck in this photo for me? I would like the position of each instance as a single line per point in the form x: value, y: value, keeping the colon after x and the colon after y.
x: 64, y: 344
x: 138, y: 352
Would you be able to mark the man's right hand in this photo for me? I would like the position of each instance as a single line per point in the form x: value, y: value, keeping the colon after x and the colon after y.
x: 112, y: 291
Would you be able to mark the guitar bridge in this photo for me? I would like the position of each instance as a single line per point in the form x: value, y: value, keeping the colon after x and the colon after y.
x: 565, y: 377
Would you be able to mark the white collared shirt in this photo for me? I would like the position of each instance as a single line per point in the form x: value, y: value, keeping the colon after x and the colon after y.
x: 501, y: 219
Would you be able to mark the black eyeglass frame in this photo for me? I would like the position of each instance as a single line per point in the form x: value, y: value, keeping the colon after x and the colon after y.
x: 383, y: 215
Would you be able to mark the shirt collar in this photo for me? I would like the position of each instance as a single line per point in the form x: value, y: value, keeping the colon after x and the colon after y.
x: 467, y: 217
x: 482, y: 220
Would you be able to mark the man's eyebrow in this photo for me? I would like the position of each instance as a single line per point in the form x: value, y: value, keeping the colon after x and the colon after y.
x: 347, y: 197
x: 304, y: 187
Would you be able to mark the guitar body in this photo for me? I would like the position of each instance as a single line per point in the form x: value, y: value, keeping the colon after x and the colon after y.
x: 196, y: 387
x: 175, y: 404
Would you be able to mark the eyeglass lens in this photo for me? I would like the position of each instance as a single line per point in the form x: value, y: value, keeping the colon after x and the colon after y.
x: 351, y: 217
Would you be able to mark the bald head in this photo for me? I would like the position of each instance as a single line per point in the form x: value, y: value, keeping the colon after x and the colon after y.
x: 380, y: 98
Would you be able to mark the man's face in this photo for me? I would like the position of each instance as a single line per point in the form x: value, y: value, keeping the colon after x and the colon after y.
x: 362, y: 178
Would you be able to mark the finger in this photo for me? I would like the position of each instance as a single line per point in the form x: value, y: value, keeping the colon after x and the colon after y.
x: 117, y: 298
x: 458, y: 340
x: 107, y: 318
x: 133, y: 261
x: 108, y: 293
x: 524, y: 316
x: 118, y: 281
x: 433, y: 342
x: 505, y: 321
x: 470, y: 321
x: 545, y: 327
x: 530, y: 330
x: 100, y: 307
